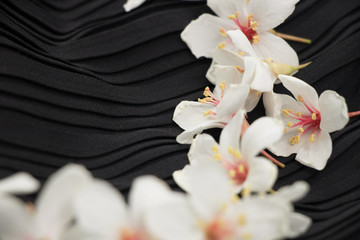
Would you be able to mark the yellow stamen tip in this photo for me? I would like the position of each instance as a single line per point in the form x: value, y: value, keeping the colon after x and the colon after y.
x: 223, y: 32
x: 208, y: 112
x: 313, y: 116
x: 300, y: 98
x: 241, y: 169
x: 256, y: 39
x: 246, y: 191
x: 289, y: 124
x: 312, y: 138
x: 237, y: 155
x: 242, y: 219
x: 221, y: 45
x: 294, y: 140
x: 258, y: 94
x: 301, y: 130
x: 246, y: 236
x: 201, y: 100
x: 240, y: 69
x: 215, y: 149
x: 240, y: 53
x: 285, y: 130
x: 250, y: 17
x: 222, y: 86
x: 298, y: 114
x: 285, y: 112
x: 232, y: 17
x: 232, y: 173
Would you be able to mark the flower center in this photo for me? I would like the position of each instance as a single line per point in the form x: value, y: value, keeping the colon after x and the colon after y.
x: 304, y: 122
x: 210, y: 98
x: 238, y: 168
x: 218, y: 230
x: 249, y: 30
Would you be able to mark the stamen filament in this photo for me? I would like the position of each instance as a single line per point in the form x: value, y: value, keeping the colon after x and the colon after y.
x: 268, y: 156
x: 291, y: 37
x: 353, y: 114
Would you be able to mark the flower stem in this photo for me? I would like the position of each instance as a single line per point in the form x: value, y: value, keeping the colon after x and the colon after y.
x: 245, y: 126
x: 291, y: 37
x: 353, y: 114
x: 268, y: 156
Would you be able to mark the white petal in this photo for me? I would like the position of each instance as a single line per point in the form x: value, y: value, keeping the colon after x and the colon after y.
x: 146, y: 192
x: 263, y: 79
x: 298, y: 87
x: 249, y: 67
x: 316, y: 154
x: 294, y: 192
x: 272, y: 104
x: 173, y: 220
x: 186, y: 137
x: 189, y: 113
x: 181, y: 178
x: 241, y: 42
x: 252, y: 100
x: 334, y: 111
x: 210, y: 72
x: 233, y: 100
x: 100, y: 209
x: 15, y: 221
x: 227, y: 75
x: 230, y: 135
x: 271, y: 46
x: 225, y: 8
x: 261, y: 134
x: 201, y: 148
x: 209, y: 188
x: 131, y: 4
x: 19, y: 183
x: 283, y: 146
x: 225, y: 57
x: 79, y: 234
x: 299, y: 224
x: 262, y: 174
x: 270, y: 13
x: 53, y: 204
x: 203, y: 34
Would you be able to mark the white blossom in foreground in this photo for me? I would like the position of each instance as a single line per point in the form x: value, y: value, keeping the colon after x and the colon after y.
x: 260, y: 74
x: 132, y: 4
x: 52, y: 213
x: 19, y: 183
x: 244, y: 168
x: 309, y: 119
x: 213, y: 111
x: 102, y: 213
x: 213, y: 212
x: 254, y: 18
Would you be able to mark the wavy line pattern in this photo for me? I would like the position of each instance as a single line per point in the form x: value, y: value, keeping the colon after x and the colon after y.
x: 83, y: 81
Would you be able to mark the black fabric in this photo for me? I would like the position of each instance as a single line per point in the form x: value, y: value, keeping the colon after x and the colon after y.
x: 83, y: 81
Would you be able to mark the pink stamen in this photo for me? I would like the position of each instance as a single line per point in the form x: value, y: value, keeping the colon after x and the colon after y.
x: 353, y: 114
x: 248, y: 31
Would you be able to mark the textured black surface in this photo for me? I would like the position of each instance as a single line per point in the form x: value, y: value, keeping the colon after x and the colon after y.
x: 83, y: 81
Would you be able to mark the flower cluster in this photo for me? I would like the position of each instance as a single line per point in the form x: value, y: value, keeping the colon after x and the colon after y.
x: 74, y: 205
x: 228, y: 187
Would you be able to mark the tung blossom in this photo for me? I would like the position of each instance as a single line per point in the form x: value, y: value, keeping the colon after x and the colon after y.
x: 245, y: 170
x: 214, y: 110
x: 211, y: 211
x: 309, y: 119
x: 102, y: 213
x: 255, y: 18
x: 50, y: 216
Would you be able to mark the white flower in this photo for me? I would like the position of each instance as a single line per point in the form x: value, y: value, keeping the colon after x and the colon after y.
x: 19, y: 183
x: 131, y: 4
x: 257, y: 72
x: 244, y: 168
x: 254, y: 18
x: 102, y: 213
x: 309, y: 118
x: 212, y: 212
x: 52, y: 212
x: 215, y: 110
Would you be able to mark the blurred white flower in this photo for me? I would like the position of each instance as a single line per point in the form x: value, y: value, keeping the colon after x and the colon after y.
x: 101, y: 211
x: 52, y: 212
x: 19, y: 183
x: 215, y: 110
x: 309, y: 118
x: 254, y: 18
x: 213, y: 212
x: 131, y: 4
x: 244, y: 168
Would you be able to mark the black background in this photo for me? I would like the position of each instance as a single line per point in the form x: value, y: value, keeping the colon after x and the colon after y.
x: 82, y: 81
